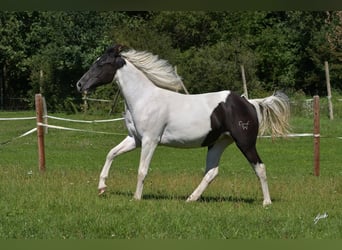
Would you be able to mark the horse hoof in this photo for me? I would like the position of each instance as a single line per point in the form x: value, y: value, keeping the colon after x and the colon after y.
x: 267, y: 203
x: 190, y: 199
x: 102, y: 191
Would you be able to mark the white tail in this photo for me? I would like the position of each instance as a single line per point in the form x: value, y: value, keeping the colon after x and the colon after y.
x: 273, y: 114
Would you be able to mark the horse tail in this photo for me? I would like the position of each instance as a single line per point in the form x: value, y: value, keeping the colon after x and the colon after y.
x: 273, y: 114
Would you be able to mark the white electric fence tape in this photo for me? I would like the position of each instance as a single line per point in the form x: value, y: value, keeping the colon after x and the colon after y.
x: 18, y: 118
x: 83, y: 121
x: 100, y: 132
x: 291, y: 135
x: 76, y: 129
x: 98, y: 100
x: 59, y: 127
x: 22, y: 135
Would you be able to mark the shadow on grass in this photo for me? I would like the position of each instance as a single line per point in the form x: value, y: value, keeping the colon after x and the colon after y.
x: 159, y: 196
x: 226, y: 199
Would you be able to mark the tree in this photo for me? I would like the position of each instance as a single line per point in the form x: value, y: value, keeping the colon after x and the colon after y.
x: 12, y: 53
x: 48, y: 51
x: 66, y: 44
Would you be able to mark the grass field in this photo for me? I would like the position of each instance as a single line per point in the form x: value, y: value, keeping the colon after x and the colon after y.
x: 63, y: 203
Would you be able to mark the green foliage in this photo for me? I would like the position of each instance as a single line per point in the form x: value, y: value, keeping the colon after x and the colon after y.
x: 48, y: 51
x: 190, y: 29
x: 216, y: 67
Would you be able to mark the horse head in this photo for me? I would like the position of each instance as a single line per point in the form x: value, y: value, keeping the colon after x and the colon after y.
x: 103, y: 70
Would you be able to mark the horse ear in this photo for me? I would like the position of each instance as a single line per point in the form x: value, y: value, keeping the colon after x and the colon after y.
x: 115, y: 49
x: 119, y: 48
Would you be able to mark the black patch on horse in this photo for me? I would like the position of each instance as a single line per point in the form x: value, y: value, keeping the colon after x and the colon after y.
x: 237, y: 117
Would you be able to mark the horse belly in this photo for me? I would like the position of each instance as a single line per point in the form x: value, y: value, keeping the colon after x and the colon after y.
x: 185, y: 141
x: 187, y: 134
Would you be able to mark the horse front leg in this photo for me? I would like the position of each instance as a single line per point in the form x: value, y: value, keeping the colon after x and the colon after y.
x: 147, y: 150
x: 126, y: 145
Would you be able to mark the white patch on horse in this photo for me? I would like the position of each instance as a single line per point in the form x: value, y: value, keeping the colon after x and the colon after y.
x: 244, y: 125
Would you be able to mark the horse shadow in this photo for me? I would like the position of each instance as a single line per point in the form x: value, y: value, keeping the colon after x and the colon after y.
x: 202, y: 199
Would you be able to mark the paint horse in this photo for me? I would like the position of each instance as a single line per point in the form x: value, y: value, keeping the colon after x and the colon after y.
x: 156, y: 115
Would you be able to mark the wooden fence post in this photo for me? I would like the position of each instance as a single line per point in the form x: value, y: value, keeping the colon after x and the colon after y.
x: 182, y: 84
x: 116, y: 98
x: 327, y: 76
x: 45, y: 118
x: 244, y: 81
x: 316, y: 135
x: 40, y: 132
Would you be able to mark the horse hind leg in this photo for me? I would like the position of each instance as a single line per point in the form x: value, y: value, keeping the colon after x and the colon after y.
x: 260, y: 171
x: 259, y: 168
x: 126, y: 145
x: 212, y: 162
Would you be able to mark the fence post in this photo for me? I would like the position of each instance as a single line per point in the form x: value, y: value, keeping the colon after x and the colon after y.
x: 40, y: 132
x: 85, y: 103
x: 327, y: 76
x: 316, y: 135
x: 45, y: 118
x: 182, y: 84
x: 116, y: 98
x: 245, y: 91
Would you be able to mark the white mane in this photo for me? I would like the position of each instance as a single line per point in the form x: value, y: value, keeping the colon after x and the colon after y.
x: 159, y: 71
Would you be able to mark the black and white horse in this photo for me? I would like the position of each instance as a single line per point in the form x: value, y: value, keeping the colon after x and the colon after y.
x: 155, y: 115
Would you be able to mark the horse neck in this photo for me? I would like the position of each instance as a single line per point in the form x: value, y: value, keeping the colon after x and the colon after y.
x: 134, y: 84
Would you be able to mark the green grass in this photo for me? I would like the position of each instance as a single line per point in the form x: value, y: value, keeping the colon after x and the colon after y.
x: 63, y: 203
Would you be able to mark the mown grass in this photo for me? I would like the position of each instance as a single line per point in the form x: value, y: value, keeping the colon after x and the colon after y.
x: 63, y: 203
